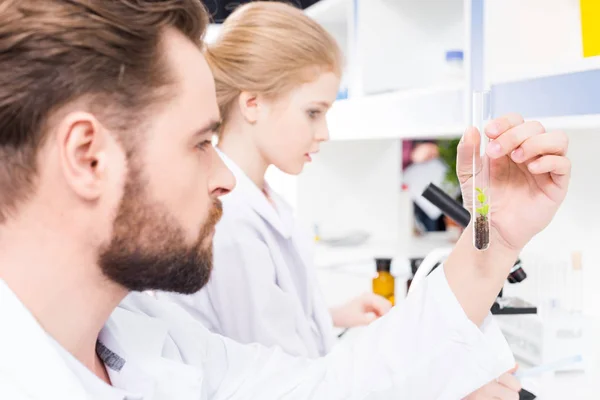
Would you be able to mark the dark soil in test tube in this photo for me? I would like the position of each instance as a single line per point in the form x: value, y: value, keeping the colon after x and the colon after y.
x: 482, y: 232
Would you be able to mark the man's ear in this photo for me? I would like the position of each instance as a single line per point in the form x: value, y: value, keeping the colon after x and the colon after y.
x: 82, y: 143
x: 249, y: 106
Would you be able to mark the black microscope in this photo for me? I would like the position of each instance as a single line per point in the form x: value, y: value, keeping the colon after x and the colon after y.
x: 454, y: 210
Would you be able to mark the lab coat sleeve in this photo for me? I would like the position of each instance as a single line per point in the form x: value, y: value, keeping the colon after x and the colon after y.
x: 243, y: 293
x: 425, y: 348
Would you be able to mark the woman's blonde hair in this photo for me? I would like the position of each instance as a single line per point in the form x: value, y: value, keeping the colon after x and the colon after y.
x: 269, y: 48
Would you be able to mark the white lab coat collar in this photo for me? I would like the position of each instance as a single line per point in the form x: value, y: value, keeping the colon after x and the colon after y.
x: 147, y: 343
x: 152, y: 364
x: 28, y: 356
x: 116, y: 339
x: 279, y: 217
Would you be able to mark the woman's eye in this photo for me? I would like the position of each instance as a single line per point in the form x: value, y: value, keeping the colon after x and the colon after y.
x: 313, y: 113
x: 204, y: 145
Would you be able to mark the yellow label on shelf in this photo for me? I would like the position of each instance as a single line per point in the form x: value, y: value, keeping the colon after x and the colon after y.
x: 590, y: 27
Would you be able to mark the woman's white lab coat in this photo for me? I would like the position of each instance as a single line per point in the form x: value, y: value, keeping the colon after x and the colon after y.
x: 263, y: 286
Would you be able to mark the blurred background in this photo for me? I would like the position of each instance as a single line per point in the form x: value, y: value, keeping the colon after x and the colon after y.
x: 405, y: 100
x: 220, y: 9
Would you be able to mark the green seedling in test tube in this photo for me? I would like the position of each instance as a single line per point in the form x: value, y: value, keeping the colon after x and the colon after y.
x: 481, y: 174
x: 482, y: 231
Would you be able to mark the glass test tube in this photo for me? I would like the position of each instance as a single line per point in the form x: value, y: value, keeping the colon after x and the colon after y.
x: 481, y: 173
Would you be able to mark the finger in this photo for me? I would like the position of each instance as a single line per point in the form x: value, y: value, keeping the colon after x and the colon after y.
x: 379, y: 305
x: 556, y: 143
x: 511, y: 139
x: 464, y: 159
x: 558, y: 167
x: 496, y: 390
x: 510, y: 381
x: 500, y: 125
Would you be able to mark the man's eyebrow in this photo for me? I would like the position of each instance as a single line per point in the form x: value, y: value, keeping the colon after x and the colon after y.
x: 212, y: 127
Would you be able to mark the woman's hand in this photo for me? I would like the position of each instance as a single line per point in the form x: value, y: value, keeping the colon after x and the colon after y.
x: 506, y: 387
x: 529, y: 176
x: 360, y: 311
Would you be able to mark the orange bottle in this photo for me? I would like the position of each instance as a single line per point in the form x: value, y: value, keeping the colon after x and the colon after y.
x: 384, y: 283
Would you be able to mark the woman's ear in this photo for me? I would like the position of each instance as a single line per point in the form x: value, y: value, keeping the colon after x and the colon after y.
x: 248, y: 103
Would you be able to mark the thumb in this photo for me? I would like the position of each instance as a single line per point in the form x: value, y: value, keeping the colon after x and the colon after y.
x: 464, y: 159
x: 368, y: 317
x: 377, y: 304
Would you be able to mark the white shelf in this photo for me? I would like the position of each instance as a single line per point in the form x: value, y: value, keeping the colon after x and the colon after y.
x: 577, y: 122
x: 417, y: 113
x: 328, y: 257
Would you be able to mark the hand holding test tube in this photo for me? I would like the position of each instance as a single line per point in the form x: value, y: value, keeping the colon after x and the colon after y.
x: 514, y: 175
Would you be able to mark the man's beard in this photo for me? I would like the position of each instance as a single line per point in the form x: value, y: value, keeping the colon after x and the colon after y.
x: 148, y: 249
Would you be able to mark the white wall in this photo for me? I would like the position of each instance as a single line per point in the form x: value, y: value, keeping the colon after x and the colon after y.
x: 353, y: 185
x: 532, y: 38
x: 576, y: 227
x: 577, y: 224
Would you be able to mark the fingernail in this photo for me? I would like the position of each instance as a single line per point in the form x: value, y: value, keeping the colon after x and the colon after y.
x: 494, y: 149
x: 534, y: 165
x: 518, y: 154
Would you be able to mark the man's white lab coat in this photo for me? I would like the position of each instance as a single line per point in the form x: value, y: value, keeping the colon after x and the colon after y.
x: 424, y: 349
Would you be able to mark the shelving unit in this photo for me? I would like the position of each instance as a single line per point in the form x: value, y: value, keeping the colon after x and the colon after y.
x: 397, y: 79
x: 398, y: 88
x: 541, y: 74
x: 397, y: 47
x: 402, y: 44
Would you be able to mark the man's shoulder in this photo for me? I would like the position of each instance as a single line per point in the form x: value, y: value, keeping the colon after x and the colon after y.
x: 140, y: 312
x: 141, y: 305
x: 27, y: 355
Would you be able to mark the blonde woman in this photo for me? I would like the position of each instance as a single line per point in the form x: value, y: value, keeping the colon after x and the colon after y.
x: 277, y: 73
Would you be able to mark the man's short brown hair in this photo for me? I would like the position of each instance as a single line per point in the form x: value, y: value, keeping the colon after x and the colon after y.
x: 53, y: 52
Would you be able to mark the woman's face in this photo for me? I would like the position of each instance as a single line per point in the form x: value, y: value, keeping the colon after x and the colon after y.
x: 293, y: 126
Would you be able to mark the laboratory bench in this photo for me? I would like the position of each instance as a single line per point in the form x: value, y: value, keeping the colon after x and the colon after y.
x: 578, y: 384
x: 564, y: 385
x: 345, y: 272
